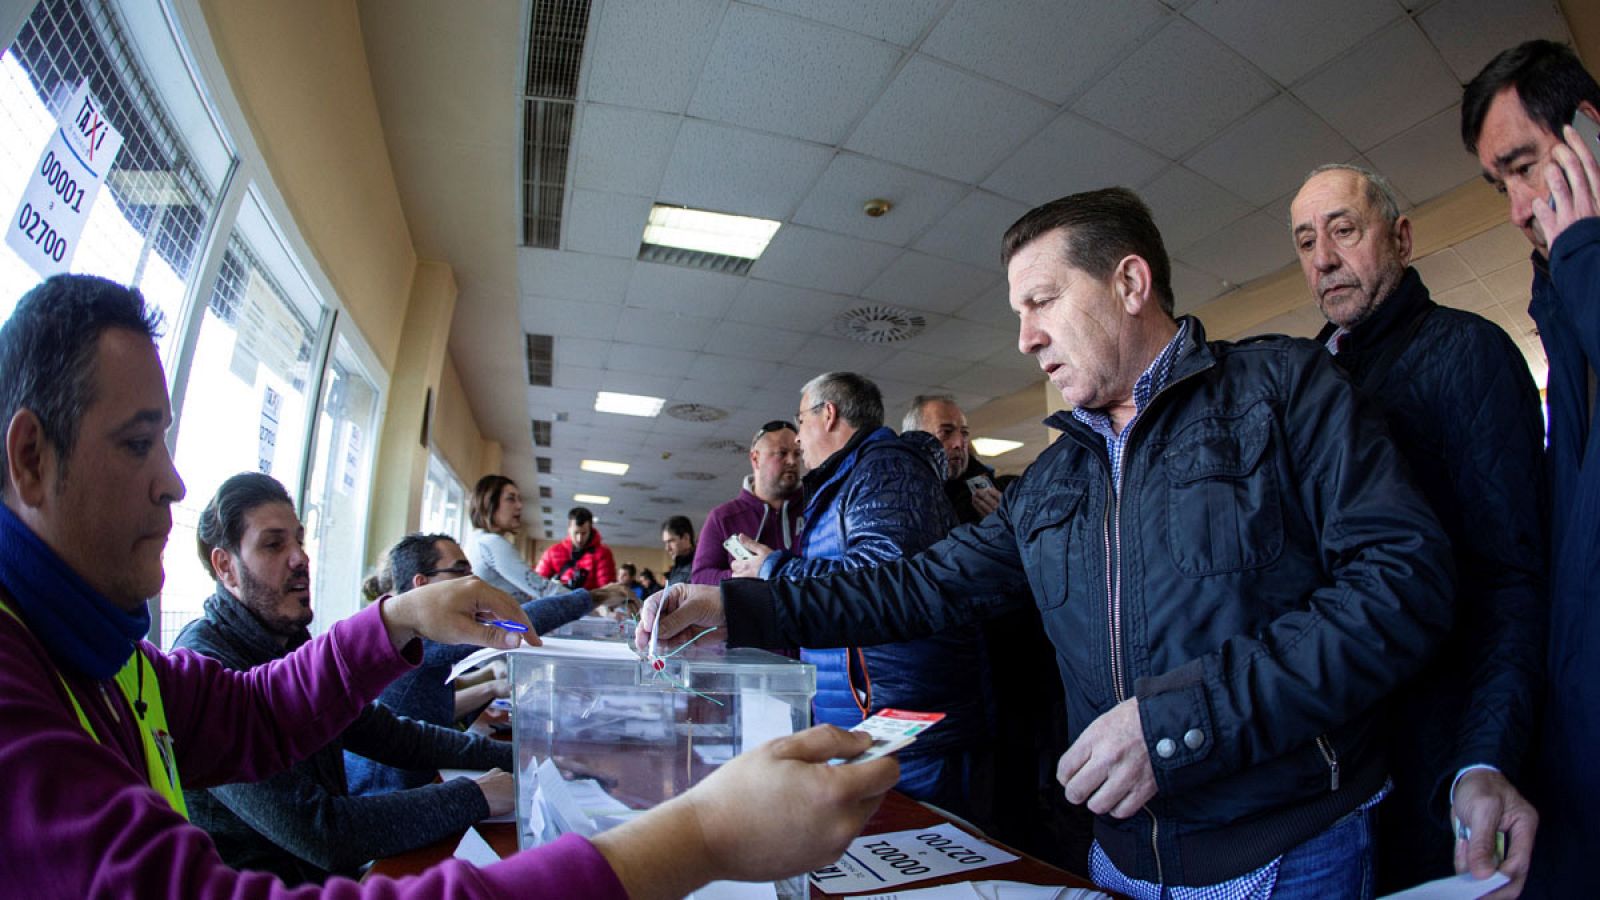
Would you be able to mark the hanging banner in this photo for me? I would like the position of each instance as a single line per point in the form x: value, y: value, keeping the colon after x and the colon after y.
x: 63, y: 187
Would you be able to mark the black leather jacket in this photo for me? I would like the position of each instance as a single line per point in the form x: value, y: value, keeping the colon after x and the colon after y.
x: 1268, y: 575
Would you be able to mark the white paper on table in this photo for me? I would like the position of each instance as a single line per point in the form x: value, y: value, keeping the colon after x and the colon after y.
x: 736, y: 890
x: 921, y: 853
x: 550, y: 646
x: 474, y: 849
x: 1456, y: 887
x: 991, y: 890
x: 762, y: 717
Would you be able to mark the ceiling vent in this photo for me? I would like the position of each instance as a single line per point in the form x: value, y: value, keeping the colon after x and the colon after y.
x: 557, y: 30
x: 541, y: 362
x: 542, y: 463
x: 544, y: 492
x: 636, y: 486
x: 696, y: 412
x: 694, y: 476
x: 694, y: 259
x: 725, y: 445
x: 541, y: 429
x: 547, y: 511
x: 878, y: 324
x: 666, y: 501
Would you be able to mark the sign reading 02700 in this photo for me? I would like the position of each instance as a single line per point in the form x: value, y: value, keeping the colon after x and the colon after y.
x: 61, y: 189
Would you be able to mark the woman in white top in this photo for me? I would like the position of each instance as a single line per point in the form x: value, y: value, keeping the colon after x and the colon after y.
x: 496, y: 511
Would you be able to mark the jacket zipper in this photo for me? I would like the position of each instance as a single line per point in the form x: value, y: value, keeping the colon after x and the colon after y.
x: 1114, y: 587
x: 1332, y: 759
x: 1155, y: 845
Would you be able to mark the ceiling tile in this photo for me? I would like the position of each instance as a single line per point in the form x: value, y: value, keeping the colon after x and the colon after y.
x: 1192, y: 287
x: 786, y: 75
x: 1069, y: 156
x: 1511, y: 286
x: 835, y: 203
x: 922, y: 282
x: 1427, y: 160
x: 1304, y: 321
x: 1187, y: 207
x: 648, y: 53
x: 829, y: 354
x: 717, y: 392
x: 1472, y: 296
x: 992, y: 308
x: 571, y: 318
x: 652, y: 359
x: 998, y: 382
x: 664, y: 329
x: 773, y: 305
x: 1469, y: 33
x: 744, y: 370
x: 1178, y: 89
x: 901, y: 22
x: 694, y: 292
x: 1495, y: 249
x: 634, y: 383
x: 971, y: 231
x: 948, y: 122
x: 1382, y: 87
x: 1013, y: 359
x: 605, y: 224
x: 1270, y: 151
x: 1020, y: 42
x: 622, y: 150
x: 571, y: 378
x: 1443, y: 270
x: 581, y: 353
x: 957, y: 340
x: 736, y: 171
x: 1243, y: 250
x: 1288, y: 38
x: 787, y: 380
x: 822, y: 260
x: 743, y: 341
x: 909, y: 365
x: 563, y: 275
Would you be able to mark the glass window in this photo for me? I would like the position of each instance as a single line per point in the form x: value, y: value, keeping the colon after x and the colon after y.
x: 335, y: 513
x: 147, y: 224
x: 444, y: 506
x: 245, y: 405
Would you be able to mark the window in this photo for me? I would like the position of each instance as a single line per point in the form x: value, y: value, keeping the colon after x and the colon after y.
x: 444, y: 504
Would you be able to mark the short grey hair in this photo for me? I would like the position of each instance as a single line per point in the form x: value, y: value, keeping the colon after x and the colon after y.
x: 1380, y: 194
x: 913, y: 419
x: 857, y: 399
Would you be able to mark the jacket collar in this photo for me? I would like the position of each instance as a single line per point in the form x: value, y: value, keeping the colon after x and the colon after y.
x: 242, y: 629
x: 1409, y: 298
x: 1194, y: 355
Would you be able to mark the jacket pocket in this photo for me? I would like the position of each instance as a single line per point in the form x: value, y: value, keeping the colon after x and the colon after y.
x: 1048, y: 530
x: 1224, y: 509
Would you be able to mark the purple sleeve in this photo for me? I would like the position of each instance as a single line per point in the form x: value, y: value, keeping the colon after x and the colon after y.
x: 711, y: 563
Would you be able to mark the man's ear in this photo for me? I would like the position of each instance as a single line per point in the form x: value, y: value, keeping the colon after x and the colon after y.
x: 1133, y: 283
x: 1589, y: 110
x: 222, y: 565
x: 1402, y: 239
x: 418, y: 580
x: 30, y: 459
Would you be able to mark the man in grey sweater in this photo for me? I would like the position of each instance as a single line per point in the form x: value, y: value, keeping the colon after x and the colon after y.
x: 302, y: 825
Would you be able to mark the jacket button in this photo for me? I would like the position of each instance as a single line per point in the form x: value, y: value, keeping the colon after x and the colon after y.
x: 1193, y: 738
x: 1166, y: 747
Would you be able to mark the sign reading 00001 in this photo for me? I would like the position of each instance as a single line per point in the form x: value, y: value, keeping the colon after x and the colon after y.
x: 61, y: 189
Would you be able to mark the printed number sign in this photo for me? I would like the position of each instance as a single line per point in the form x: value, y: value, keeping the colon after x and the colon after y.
x: 879, y: 861
x: 55, y: 205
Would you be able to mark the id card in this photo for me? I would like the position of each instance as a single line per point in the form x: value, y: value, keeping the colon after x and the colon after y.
x: 891, y: 730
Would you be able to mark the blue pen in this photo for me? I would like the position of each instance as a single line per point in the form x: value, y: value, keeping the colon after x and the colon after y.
x: 506, y: 624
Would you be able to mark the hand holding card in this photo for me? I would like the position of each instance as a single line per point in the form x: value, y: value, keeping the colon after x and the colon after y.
x: 891, y: 730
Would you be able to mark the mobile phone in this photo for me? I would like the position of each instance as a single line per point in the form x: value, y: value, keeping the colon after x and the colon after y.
x: 736, y: 548
x: 1589, y: 130
x: 978, y: 482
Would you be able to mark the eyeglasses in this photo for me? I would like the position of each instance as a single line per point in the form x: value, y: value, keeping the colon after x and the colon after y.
x: 800, y: 417
x: 770, y: 427
x: 461, y: 569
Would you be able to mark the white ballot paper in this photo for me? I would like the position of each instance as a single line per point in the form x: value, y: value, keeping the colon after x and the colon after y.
x: 991, y: 890
x: 550, y: 646
x: 1456, y: 887
x: 879, y: 861
x: 474, y: 849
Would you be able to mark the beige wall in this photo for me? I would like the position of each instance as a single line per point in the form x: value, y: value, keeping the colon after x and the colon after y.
x: 455, y: 431
x: 299, y: 71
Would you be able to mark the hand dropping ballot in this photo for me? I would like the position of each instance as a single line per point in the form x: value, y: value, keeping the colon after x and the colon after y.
x: 891, y: 730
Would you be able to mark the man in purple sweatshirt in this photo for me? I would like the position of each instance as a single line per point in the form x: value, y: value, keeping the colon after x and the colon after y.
x: 768, y: 509
x: 100, y: 731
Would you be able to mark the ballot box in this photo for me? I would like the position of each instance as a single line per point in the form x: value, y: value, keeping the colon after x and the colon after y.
x: 602, y: 734
x: 602, y: 628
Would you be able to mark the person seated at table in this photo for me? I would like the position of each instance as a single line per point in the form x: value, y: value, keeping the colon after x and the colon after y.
x: 496, y: 514
x: 304, y: 824
x: 422, y: 694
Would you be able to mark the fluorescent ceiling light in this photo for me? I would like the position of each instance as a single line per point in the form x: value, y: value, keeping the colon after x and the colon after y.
x: 708, y: 232
x: 994, y: 446
x: 596, y: 499
x: 603, y: 467
x: 628, y: 404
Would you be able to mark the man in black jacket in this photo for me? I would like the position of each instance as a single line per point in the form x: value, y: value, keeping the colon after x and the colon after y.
x: 1464, y: 412
x: 1229, y: 558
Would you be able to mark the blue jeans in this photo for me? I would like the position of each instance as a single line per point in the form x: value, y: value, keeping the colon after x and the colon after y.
x: 1336, y: 863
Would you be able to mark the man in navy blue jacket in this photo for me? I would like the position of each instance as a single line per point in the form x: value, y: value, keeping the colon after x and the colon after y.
x: 1514, y: 118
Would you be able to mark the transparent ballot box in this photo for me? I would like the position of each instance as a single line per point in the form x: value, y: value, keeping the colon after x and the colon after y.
x: 597, y: 628
x: 602, y: 734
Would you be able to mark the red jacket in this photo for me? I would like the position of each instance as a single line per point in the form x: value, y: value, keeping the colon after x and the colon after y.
x: 598, y: 567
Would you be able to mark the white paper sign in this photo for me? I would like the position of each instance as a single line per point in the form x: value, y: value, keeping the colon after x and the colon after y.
x: 267, y: 437
x: 352, y: 459
x: 879, y: 861
x: 55, y: 205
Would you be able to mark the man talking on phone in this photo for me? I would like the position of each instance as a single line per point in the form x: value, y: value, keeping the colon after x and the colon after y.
x: 1517, y: 118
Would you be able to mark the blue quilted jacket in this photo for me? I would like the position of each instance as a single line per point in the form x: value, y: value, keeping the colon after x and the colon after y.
x: 880, y: 498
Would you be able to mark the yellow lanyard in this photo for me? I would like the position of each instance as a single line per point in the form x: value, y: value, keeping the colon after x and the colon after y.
x: 160, y: 759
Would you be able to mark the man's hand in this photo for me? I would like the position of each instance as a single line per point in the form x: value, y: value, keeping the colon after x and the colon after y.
x: 986, y: 500
x: 1574, y: 180
x: 1108, y: 767
x: 455, y: 612
x: 499, y: 789
x: 723, y: 828
x: 1485, y: 802
x: 751, y: 568
x: 678, y: 609
x: 611, y: 596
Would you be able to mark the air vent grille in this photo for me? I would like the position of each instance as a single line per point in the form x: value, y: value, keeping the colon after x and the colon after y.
x: 541, y: 429
x: 694, y: 476
x: 878, y: 324
x: 542, y: 463
x: 696, y: 412
x: 547, y: 138
x: 637, y: 486
x: 666, y: 501
x: 544, y: 492
x: 695, y: 259
x: 556, y: 35
x: 725, y: 445
x: 541, y: 362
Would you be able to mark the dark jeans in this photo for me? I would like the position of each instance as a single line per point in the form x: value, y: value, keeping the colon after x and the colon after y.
x: 1335, y: 863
